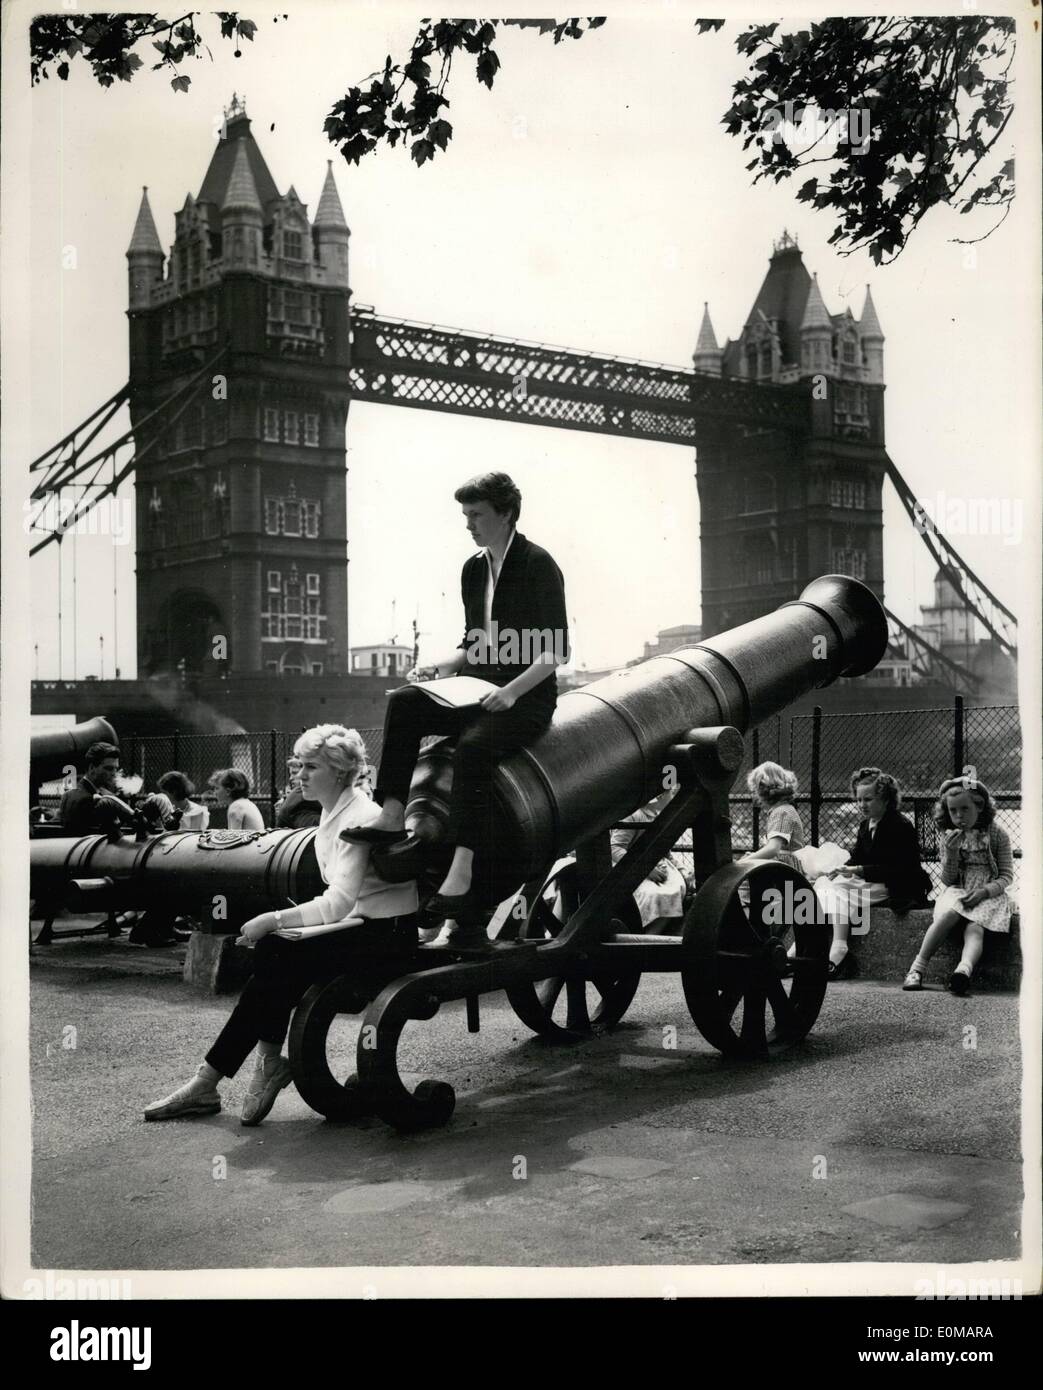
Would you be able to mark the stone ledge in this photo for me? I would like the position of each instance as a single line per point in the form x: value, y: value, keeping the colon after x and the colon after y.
x: 887, y: 950
x: 215, y: 964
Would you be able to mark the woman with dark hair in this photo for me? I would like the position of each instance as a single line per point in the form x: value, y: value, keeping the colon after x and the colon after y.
x: 884, y: 865
x: 232, y: 791
x: 516, y: 634
x: 194, y: 815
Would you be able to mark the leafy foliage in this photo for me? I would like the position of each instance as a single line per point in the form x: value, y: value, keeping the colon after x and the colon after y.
x: 932, y: 95
x: 105, y: 42
x: 406, y: 102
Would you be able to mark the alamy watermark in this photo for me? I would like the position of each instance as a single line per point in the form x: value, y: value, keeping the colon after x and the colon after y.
x: 847, y: 126
x: 510, y: 646
x: 970, y: 516
x: 111, y: 516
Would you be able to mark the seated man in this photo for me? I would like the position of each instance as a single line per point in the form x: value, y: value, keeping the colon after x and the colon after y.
x: 92, y: 807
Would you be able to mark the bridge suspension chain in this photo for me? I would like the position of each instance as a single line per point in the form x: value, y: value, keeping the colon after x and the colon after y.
x: 977, y: 597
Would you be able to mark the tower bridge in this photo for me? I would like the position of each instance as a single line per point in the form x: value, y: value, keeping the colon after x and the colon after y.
x: 246, y: 354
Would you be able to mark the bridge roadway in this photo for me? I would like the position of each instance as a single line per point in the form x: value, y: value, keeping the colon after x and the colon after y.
x: 634, y: 1154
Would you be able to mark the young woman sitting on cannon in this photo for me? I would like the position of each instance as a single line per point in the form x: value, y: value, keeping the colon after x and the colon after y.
x: 332, y: 758
x: 516, y: 634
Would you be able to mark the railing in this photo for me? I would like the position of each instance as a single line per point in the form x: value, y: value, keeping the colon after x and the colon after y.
x: 920, y: 747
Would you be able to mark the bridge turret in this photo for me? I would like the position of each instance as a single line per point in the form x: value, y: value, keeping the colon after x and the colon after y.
x: 872, y: 341
x: 707, y: 355
x: 242, y: 217
x: 816, y: 334
x: 331, y: 232
x: 144, y: 257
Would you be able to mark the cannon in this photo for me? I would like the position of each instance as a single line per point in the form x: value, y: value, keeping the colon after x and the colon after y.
x: 570, y: 952
x: 53, y: 752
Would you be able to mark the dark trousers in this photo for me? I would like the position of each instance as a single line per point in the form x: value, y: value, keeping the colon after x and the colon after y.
x: 483, y: 740
x: 285, y: 970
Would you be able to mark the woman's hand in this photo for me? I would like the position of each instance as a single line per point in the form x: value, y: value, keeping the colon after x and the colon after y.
x: 657, y: 874
x: 497, y: 701
x: 253, y: 931
x: 973, y: 897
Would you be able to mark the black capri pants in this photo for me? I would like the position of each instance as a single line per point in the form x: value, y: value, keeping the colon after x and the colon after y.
x: 285, y: 970
x: 484, y: 739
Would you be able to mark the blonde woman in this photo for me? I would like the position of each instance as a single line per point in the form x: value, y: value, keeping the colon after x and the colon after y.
x: 773, y: 789
x: 332, y: 759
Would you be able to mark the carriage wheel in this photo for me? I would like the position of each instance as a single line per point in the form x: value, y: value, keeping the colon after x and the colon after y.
x: 309, y: 1031
x: 734, y: 959
x: 568, y: 1007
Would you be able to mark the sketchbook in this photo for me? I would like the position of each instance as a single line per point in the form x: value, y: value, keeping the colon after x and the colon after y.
x: 323, y: 929
x: 456, y: 692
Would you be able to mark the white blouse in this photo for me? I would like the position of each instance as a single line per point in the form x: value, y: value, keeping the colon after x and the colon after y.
x: 355, y: 889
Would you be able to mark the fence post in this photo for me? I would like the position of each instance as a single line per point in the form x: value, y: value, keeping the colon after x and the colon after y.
x: 816, y: 789
x: 177, y: 749
x: 755, y: 817
x: 271, y: 774
x: 957, y: 737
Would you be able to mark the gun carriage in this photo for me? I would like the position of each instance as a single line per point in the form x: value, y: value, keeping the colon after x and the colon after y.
x: 570, y: 952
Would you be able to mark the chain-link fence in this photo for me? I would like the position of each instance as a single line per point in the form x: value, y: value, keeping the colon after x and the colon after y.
x: 919, y: 747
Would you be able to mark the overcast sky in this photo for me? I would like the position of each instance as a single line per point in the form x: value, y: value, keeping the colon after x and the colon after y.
x: 592, y: 200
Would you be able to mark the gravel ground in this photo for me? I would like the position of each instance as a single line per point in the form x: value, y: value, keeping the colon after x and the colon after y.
x: 885, y: 1137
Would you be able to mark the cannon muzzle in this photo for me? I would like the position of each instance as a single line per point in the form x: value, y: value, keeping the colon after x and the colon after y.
x: 52, y: 752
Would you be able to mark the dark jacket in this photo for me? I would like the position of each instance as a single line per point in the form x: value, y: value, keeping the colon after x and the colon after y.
x: 295, y: 813
x: 82, y: 812
x: 529, y: 600
x: 891, y: 855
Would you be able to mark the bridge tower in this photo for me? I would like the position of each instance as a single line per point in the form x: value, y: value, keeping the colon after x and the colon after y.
x: 241, y: 503
x: 778, y: 509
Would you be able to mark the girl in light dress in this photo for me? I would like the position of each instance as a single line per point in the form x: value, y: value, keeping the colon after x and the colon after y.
x: 773, y: 789
x: 232, y: 789
x: 977, y: 869
x: 660, y: 896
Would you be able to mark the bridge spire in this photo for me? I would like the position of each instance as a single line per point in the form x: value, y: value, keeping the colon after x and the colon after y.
x: 144, y: 257
x: 331, y: 232
x: 145, y: 239
x: 707, y: 355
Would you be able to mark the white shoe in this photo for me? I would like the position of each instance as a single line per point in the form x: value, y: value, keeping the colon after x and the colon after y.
x: 195, y: 1097
x: 914, y: 980
x: 268, y: 1080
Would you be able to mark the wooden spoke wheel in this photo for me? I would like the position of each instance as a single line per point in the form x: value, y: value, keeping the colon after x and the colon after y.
x: 309, y: 1034
x: 746, y: 997
x: 574, y: 1005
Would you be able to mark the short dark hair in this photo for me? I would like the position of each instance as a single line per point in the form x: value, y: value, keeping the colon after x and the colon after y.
x: 232, y: 780
x: 883, y: 785
x: 177, y: 784
x: 98, y: 752
x: 497, y: 489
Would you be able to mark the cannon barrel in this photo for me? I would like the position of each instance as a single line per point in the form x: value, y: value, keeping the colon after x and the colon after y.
x: 223, y: 887
x: 52, y: 752
x: 605, y: 752
x: 603, y: 756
